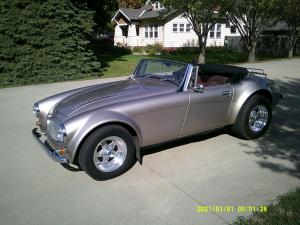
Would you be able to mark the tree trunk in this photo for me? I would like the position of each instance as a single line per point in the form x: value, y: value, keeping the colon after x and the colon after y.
x: 291, y: 52
x: 201, y: 58
x: 292, y: 43
x: 251, y: 56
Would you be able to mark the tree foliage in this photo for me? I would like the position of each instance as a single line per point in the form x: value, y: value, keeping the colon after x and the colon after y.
x: 131, y: 3
x: 291, y: 15
x: 252, y: 17
x: 104, y: 11
x: 45, y: 41
x: 203, y: 15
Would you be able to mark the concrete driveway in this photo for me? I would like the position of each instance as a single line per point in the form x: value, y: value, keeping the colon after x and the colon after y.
x: 174, y: 179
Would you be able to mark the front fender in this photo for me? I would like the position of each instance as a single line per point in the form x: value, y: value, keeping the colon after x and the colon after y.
x: 79, y: 127
x: 47, y: 104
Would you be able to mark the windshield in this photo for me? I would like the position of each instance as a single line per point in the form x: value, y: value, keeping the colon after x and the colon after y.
x: 162, y: 69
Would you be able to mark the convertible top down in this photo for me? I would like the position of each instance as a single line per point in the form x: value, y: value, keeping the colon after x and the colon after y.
x: 102, y: 128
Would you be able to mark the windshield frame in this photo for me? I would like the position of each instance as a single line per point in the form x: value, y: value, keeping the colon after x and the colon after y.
x: 180, y: 86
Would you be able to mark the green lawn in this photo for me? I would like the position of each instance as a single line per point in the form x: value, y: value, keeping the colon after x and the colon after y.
x: 121, y: 66
x: 285, y: 212
x: 119, y: 61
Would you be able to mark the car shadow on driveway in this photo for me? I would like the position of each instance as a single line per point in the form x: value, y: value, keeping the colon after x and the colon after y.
x: 164, y: 146
x: 180, y: 142
x: 282, y: 141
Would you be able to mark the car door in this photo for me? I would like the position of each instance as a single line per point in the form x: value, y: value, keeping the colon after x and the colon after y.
x: 160, y: 119
x: 207, y: 110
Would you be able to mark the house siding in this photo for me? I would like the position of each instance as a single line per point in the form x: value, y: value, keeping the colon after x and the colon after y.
x: 133, y: 40
x: 150, y: 41
x: 189, y: 39
x: 178, y: 39
x: 166, y: 36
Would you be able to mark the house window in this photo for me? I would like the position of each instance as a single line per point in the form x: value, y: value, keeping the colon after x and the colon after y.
x: 212, y: 32
x: 218, y: 31
x: 151, y: 31
x: 181, y: 27
x: 146, y: 31
x: 156, y: 31
x: 233, y: 29
x: 175, y: 25
x: 215, y: 31
x: 137, y: 28
x: 188, y: 27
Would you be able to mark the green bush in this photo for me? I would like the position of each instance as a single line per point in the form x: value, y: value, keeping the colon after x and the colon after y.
x: 213, y: 55
x: 286, y: 210
x: 187, y: 50
x: 139, y: 50
x: 225, y: 55
x: 45, y: 41
x: 155, y: 49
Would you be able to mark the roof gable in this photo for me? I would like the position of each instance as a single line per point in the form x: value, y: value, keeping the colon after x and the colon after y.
x: 145, y: 12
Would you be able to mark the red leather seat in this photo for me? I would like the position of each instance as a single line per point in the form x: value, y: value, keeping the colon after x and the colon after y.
x: 216, y: 80
x: 213, y: 80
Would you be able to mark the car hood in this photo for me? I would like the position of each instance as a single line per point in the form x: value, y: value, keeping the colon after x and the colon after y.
x: 111, y: 93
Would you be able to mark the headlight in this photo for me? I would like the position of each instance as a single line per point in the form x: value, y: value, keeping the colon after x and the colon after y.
x: 36, y: 110
x: 57, y: 132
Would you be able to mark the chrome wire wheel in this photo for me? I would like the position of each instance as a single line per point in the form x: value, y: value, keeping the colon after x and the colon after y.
x: 258, y: 118
x: 110, y: 154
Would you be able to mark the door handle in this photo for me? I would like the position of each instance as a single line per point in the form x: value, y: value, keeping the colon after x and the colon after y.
x: 226, y: 93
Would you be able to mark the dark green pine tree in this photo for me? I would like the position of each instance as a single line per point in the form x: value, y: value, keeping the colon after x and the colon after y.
x: 45, y: 41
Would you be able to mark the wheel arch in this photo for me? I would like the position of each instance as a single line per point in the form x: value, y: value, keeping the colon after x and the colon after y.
x: 237, y: 104
x: 129, y: 128
x: 264, y: 93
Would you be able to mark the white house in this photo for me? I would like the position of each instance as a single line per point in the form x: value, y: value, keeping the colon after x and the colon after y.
x: 151, y: 24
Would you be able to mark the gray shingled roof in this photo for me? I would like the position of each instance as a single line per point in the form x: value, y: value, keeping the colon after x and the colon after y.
x: 144, y: 12
x: 131, y: 13
x: 150, y: 14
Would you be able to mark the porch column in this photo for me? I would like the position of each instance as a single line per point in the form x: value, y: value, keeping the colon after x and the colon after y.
x: 132, y: 36
x: 118, y: 37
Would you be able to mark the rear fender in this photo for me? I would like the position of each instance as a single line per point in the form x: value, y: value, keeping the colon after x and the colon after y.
x: 242, y: 92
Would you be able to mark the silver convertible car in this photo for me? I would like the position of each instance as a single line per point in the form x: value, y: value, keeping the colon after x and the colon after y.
x: 102, y: 128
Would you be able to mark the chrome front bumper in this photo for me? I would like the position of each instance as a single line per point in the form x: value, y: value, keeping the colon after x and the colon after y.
x: 52, y: 153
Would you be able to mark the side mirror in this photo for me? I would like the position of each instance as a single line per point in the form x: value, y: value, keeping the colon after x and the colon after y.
x: 199, y: 88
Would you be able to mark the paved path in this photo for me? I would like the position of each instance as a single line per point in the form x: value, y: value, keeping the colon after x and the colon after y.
x: 174, y: 179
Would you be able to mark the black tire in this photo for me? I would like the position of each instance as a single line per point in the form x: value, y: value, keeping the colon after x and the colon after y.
x: 86, y: 154
x: 242, y: 128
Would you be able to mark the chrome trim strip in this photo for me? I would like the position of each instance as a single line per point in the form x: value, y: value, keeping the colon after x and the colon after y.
x: 185, y: 115
x: 47, y: 148
x: 188, y: 77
